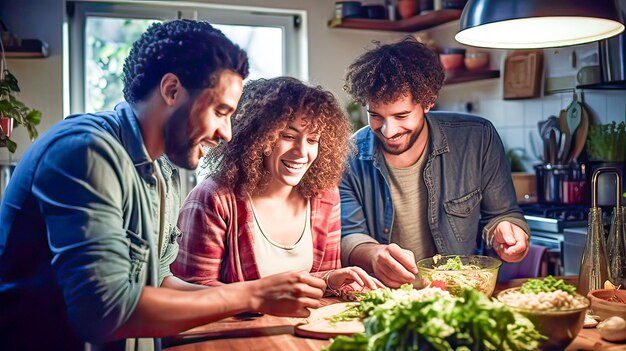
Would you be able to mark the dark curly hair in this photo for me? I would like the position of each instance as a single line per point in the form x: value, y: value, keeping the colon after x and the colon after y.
x: 194, y: 51
x: 390, y: 71
x: 266, y: 108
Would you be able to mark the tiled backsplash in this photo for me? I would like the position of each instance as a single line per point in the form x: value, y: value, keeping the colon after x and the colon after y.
x: 516, y: 120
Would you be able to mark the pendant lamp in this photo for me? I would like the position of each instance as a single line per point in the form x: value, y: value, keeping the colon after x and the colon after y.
x: 532, y: 24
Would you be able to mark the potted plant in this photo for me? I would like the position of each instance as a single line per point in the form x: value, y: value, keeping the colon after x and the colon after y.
x: 14, y: 112
x: 606, y: 145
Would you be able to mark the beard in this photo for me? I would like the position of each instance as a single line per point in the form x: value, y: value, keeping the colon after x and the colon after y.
x: 400, y: 149
x: 178, y: 145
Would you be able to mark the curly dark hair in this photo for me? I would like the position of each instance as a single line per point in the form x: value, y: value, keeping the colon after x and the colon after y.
x: 266, y: 108
x: 390, y: 71
x: 192, y: 50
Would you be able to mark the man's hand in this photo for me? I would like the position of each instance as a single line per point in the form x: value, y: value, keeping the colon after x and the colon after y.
x: 393, y: 265
x: 510, y: 242
x: 287, y: 294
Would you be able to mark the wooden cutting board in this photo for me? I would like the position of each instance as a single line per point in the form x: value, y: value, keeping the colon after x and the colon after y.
x: 318, y: 325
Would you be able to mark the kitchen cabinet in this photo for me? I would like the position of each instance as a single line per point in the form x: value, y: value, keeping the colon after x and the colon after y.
x: 408, y: 25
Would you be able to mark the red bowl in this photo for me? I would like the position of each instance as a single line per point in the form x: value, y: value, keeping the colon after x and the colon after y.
x: 476, y: 60
x: 451, y: 62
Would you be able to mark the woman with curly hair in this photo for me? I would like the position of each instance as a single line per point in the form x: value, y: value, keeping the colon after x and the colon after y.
x: 271, y: 202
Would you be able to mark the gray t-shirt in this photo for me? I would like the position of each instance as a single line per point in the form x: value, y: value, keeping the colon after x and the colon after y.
x: 409, y: 196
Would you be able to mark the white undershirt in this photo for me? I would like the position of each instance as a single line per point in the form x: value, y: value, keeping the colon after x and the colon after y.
x: 273, y: 258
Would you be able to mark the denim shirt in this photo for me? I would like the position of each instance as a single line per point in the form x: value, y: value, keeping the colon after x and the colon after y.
x: 467, y: 177
x: 168, y: 248
x: 77, y: 241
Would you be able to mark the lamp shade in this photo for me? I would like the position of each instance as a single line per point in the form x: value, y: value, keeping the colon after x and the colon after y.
x: 531, y: 24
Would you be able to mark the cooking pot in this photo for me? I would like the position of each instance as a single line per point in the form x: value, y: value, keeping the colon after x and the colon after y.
x: 560, y: 184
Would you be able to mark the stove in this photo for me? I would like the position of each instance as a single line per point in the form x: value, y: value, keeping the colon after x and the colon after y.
x: 554, y: 218
x: 547, y: 225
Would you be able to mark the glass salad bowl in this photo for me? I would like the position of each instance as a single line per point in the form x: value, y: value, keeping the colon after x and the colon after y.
x: 457, y: 272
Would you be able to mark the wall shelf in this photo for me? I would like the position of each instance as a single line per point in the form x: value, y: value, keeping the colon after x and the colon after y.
x: 468, y: 76
x: 27, y: 48
x: 412, y: 24
x: 616, y: 85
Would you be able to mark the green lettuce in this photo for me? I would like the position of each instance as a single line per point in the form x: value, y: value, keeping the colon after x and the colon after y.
x: 402, y: 319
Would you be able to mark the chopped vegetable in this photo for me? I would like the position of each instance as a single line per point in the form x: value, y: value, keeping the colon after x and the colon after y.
x: 348, y: 314
x: 454, y: 276
x: 548, y: 284
x: 455, y: 264
x: 432, y: 319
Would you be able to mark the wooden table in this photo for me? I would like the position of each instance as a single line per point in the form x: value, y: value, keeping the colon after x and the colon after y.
x: 277, y: 333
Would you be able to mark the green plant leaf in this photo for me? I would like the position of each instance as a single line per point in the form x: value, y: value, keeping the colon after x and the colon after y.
x: 32, y: 132
x: 13, y: 108
x: 11, y: 145
x: 10, y: 81
x: 34, y: 117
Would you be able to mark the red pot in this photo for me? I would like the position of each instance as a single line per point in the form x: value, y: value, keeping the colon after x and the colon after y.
x: 6, y: 124
x: 407, y: 8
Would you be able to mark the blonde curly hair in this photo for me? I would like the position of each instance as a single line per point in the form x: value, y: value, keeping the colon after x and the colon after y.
x: 266, y: 108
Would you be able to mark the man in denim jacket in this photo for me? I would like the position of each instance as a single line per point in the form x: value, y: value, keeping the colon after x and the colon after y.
x: 421, y: 183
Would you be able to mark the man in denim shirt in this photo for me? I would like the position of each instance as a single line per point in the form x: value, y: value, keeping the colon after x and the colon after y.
x: 422, y: 183
x: 83, y: 231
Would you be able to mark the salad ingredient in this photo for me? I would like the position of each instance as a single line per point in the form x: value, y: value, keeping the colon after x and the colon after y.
x: 590, y: 320
x: 432, y: 319
x: 453, y: 264
x: 453, y: 275
x: 558, y: 300
x: 547, y: 284
x: 613, y: 329
x: 608, y: 285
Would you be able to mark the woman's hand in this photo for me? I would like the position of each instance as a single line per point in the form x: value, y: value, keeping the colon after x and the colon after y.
x: 338, y: 278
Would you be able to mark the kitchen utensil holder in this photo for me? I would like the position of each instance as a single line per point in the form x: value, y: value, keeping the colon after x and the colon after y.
x: 594, y: 267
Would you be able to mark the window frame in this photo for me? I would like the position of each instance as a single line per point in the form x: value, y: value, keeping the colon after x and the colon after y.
x: 293, y: 23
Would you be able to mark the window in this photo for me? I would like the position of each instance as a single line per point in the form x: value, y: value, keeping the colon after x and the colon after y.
x: 101, y: 35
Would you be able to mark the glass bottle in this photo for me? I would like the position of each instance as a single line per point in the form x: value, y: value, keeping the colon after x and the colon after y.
x: 617, y: 248
x: 593, y: 267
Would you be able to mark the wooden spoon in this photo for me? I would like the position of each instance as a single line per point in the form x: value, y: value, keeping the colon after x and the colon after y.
x: 574, y: 114
x: 566, y: 135
x: 580, y: 137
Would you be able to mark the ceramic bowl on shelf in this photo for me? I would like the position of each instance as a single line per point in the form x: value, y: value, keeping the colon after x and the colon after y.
x: 452, y: 58
x: 407, y: 8
x: 476, y: 60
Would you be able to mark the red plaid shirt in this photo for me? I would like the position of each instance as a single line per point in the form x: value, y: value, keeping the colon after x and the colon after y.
x: 218, y: 233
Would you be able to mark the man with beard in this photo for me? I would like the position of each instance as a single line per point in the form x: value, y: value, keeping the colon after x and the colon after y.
x: 82, y: 237
x: 422, y: 183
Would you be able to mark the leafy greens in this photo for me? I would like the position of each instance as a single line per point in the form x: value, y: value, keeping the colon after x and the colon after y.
x: 548, y: 284
x: 432, y: 319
